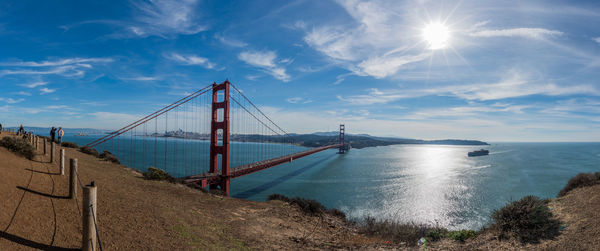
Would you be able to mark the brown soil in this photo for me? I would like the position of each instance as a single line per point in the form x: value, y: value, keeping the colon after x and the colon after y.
x: 137, y: 214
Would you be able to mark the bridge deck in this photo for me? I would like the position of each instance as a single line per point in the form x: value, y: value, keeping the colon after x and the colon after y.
x: 213, y: 178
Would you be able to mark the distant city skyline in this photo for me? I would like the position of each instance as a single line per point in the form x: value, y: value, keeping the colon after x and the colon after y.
x: 484, y: 70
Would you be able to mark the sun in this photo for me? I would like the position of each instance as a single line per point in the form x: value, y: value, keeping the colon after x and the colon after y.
x: 436, y: 35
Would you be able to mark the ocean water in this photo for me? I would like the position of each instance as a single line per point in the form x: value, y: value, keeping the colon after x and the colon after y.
x: 432, y: 184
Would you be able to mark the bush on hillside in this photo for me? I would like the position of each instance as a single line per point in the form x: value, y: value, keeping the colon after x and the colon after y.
x: 581, y: 180
x: 308, y: 206
x: 89, y: 150
x: 19, y: 146
x: 106, y: 155
x: 157, y: 174
x: 462, y: 235
x: 69, y: 144
x: 528, y: 219
x: 408, y: 233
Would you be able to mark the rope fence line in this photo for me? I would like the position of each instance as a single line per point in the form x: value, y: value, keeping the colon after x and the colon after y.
x: 90, y: 231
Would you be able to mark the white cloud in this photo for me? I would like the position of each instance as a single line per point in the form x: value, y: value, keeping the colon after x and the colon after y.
x: 375, y: 45
x: 69, y: 67
x: 298, y: 100
x: 513, y: 86
x: 533, y: 33
x: 14, y: 101
x: 55, y: 107
x: 266, y: 61
x: 387, y: 65
x: 165, y: 17
x: 84, y: 62
x: 597, y: 40
x: 230, y: 41
x: 46, y: 91
x: 141, y: 78
x: 191, y: 60
x: 35, y: 84
x: 22, y: 93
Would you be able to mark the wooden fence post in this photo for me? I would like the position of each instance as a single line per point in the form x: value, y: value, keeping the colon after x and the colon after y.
x: 90, y: 212
x: 52, y: 152
x: 73, y: 178
x: 62, y: 161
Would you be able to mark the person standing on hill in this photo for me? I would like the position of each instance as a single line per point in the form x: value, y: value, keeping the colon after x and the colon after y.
x: 21, y: 130
x: 61, y: 133
x: 0, y: 127
x: 52, y: 134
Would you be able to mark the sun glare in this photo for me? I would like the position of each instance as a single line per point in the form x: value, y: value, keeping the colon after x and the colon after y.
x: 436, y: 35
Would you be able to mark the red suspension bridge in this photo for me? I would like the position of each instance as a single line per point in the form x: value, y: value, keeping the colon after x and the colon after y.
x: 208, y: 137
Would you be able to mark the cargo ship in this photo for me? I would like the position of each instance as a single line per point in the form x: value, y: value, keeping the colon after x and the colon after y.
x: 481, y: 152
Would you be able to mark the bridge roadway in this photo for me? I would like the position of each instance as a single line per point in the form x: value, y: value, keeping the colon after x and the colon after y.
x: 214, y: 178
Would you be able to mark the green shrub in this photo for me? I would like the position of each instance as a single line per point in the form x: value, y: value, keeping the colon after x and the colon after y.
x: 277, y: 196
x: 19, y: 146
x: 581, y: 180
x: 461, y: 235
x: 308, y: 206
x: 106, y: 155
x: 89, y: 150
x: 69, y: 144
x: 396, y: 232
x: 157, y: 174
x: 528, y: 219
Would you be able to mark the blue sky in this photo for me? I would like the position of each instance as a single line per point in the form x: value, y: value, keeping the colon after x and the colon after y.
x: 504, y: 71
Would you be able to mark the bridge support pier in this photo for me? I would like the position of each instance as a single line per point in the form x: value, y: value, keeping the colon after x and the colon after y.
x: 342, y: 148
x: 220, y: 121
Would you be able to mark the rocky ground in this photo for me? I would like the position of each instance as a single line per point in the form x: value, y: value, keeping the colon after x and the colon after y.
x: 137, y: 214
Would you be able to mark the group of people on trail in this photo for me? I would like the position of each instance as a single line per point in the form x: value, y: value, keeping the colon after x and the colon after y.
x: 54, y: 133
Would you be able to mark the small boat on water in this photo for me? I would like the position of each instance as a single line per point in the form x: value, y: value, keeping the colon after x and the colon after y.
x: 481, y: 152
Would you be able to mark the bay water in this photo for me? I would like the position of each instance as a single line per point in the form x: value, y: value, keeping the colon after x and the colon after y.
x: 433, y: 184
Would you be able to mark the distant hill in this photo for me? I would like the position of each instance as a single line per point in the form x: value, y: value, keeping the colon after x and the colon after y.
x: 312, y: 140
x: 309, y: 140
x: 366, y: 140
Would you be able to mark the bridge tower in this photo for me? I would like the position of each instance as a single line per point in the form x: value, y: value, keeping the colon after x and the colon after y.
x: 220, y: 122
x: 342, y: 148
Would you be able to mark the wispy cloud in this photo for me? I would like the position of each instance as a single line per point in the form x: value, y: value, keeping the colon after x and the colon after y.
x: 59, y: 62
x: 14, y: 101
x: 532, y: 33
x: 165, y: 18
x: 298, y: 100
x: 513, y: 86
x: 387, y: 65
x: 69, y: 67
x: 55, y: 107
x: 141, y: 78
x: 34, y: 84
x: 22, y: 93
x: 191, y: 60
x: 266, y: 61
x: 46, y: 91
x: 373, y: 46
x: 230, y: 41
x: 597, y: 39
